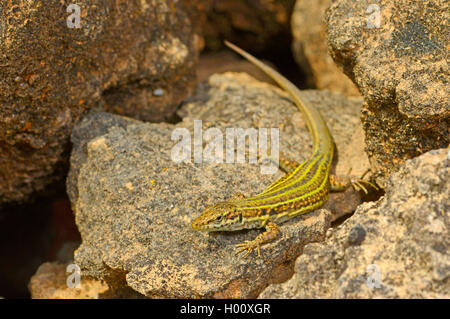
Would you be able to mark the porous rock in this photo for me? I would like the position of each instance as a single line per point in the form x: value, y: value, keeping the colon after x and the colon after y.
x: 51, y: 282
x: 51, y: 72
x: 396, y: 247
x: 134, y: 204
x: 396, y: 54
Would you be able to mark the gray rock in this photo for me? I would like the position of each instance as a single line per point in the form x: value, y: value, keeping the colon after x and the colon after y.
x: 405, y: 250
x: 395, y: 51
x: 356, y: 235
x: 134, y: 205
x: 93, y: 125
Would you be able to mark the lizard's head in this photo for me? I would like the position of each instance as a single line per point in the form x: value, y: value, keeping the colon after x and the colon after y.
x: 218, y: 217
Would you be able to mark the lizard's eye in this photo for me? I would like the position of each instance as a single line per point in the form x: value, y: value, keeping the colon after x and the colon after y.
x: 219, y: 218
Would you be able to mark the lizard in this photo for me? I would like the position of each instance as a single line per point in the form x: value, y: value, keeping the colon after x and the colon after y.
x: 304, y: 188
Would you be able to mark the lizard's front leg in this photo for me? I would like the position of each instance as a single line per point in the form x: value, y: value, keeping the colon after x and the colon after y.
x: 272, y: 232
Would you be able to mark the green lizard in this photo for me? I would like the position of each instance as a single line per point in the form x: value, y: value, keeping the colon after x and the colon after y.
x: 303, y: 189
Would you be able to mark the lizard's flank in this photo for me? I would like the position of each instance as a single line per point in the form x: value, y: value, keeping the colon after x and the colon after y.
x: 303, y: 189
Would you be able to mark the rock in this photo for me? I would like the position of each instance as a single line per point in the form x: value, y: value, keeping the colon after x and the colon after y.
x: 134, y: 205
x: 93, y: 125
x: 395, y: 52
x: 356, y: 235
x: 396, y: 247
x: 255, y: 24
x: 309, y: 48
x: 50, y: 282
x: 52, y: 73
x: 227, y: 61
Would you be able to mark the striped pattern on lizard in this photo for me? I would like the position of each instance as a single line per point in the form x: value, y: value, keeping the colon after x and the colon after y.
x: 303, y: 189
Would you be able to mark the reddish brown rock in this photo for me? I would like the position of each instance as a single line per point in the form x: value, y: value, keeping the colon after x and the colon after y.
x: 227, y: 61
x: 251, y: 24
x: 309, y: 47
x: 130, y: 57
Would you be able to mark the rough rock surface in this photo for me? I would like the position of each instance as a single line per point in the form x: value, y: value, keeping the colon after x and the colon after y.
x: 50, y: 282
x: 396, y: 53
x: 130, y: 57
x: 226, y: 61
x: 134, y: 205
x: 255, y: 24
x: 400, y: 242
x: 309, y: 46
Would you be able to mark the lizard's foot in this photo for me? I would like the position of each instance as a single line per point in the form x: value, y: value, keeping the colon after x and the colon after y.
x: 341, y: 183
x: 248, y: 246
x: 357, y: 184
x: 272, y: 232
